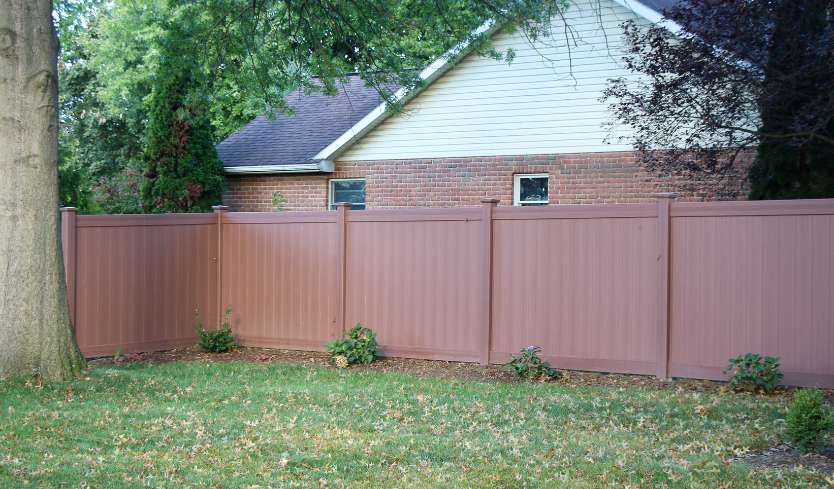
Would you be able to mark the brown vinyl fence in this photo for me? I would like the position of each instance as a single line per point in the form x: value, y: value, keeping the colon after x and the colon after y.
x: 668, y: 289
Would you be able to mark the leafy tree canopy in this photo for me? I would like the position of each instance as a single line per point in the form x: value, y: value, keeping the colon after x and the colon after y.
x: 743, y: 78
x: 243, y: 56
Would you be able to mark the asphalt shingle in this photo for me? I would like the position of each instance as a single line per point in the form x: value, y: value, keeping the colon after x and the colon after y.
x: 294, y: 139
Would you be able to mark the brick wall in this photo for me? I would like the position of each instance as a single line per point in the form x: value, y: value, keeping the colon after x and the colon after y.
x: 454, y: 182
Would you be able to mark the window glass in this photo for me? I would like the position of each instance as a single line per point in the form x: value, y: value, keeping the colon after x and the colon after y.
x: 352, y: 191
x: 531, y: 190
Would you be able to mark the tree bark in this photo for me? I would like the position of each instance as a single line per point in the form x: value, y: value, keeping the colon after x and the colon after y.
x: 35, y: 332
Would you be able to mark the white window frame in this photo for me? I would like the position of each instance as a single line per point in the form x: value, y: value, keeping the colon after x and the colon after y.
x: 330, y: 182
x: 517, y: 188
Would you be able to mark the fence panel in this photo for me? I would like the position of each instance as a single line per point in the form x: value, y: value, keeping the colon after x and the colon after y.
x: 673, y: 289
x: 279, y: 278
x: 578, y: 282
x: 753, y: 277
x: 142, y: 280
x: 411, y: 275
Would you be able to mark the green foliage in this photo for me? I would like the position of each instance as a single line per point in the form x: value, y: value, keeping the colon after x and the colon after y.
x: 217, y: 340
x: 752, y: 372
x: 278, y: 201
x: 358, y: 346
x: 219, y: 64
x: 529, y: 366
x: 97, y: 147
x: 182, y: 170
x: 809, y: 419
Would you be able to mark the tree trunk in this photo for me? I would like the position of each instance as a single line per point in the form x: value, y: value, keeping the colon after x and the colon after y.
x: 35, y: 332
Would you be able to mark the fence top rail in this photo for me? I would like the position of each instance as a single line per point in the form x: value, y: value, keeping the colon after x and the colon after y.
x: 129, y: 220
x: 416, y: 215
x: 289, y: 217
x: 577, y: 211
x: 808, y: 207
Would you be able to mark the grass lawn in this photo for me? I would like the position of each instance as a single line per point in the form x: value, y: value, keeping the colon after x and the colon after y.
x: 237, y: 424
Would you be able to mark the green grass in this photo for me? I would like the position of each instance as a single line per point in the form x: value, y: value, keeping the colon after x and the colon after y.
x: 193, y: 424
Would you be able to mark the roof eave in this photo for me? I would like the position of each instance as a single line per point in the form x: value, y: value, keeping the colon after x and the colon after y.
x: 322, y: 166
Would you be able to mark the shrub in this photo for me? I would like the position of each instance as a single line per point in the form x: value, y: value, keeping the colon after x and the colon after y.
x: 809, y: 419
x: 358, y: 346
x: 752, y: 372
x: 528, y: 365
x: 278, y: 201
x: 217, y: 340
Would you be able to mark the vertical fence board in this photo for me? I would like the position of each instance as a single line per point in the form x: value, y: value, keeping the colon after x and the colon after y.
x: 582, y: 289
x: 279, y: 279
x: 141, y: 280
x: 414, y: 280
x: 750, y: 278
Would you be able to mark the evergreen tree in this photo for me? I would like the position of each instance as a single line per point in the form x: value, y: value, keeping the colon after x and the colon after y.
x: 182, y: 170
x: 797, y: 82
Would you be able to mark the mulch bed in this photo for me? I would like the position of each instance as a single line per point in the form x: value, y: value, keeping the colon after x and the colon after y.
x: 786, y: 457
x: 423, y: 368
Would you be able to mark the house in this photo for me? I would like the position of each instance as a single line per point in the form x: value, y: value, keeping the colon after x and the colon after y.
x: 530, y: 132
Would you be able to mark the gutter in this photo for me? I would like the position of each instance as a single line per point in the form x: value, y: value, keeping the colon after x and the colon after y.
x: 321, y: 166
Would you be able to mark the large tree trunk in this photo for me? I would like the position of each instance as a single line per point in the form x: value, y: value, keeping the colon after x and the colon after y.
x: 35, y: 333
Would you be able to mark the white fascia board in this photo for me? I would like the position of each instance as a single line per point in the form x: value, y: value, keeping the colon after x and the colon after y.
x: 429, y: 74
x: 319, y: 166
x: 651, y: 15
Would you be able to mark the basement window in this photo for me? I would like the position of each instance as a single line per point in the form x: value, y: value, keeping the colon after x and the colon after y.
x: 347, y: 190
x: 530, y: 189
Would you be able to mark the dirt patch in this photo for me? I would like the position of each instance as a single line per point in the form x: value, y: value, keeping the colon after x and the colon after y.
x: 423, y: 368
x: 786, y: 457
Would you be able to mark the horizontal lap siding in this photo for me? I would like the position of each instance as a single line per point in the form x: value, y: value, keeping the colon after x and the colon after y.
x: 414, y: 283
x: 748, y: 283
x: 546, y: 101
x: 279, y: 281
x: 583, y: 289
x: 141, y: 287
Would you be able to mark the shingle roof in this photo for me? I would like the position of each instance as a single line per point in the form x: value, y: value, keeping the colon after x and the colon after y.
x: 660, y: 5
x: 295, y: 139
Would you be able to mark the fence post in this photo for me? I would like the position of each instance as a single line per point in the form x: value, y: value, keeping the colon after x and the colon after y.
x: 69, y: 248
x: 342, y: 209
x: 220, y: 211
x: 486, y: 280
x: 664, y: 203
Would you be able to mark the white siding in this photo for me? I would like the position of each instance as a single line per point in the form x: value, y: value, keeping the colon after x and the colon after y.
x: 546, y: 101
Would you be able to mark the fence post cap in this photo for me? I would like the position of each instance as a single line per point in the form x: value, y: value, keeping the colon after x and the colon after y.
x: 346, y: 205
x: 666, y: 195
x: 220, y: 208
x: 69, y: 209
x: 490, y: 201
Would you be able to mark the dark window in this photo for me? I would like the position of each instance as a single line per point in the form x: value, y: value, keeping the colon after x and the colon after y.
x: 531, y: 190
x: 352, y: 190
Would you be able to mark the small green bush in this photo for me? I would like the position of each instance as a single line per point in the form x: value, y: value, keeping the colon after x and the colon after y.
x: 278, y: 201
x: 358, y: 346
x: 752, y: 372
x: 809, y: 419
x: 528, y: 365
x: 217, y: 340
